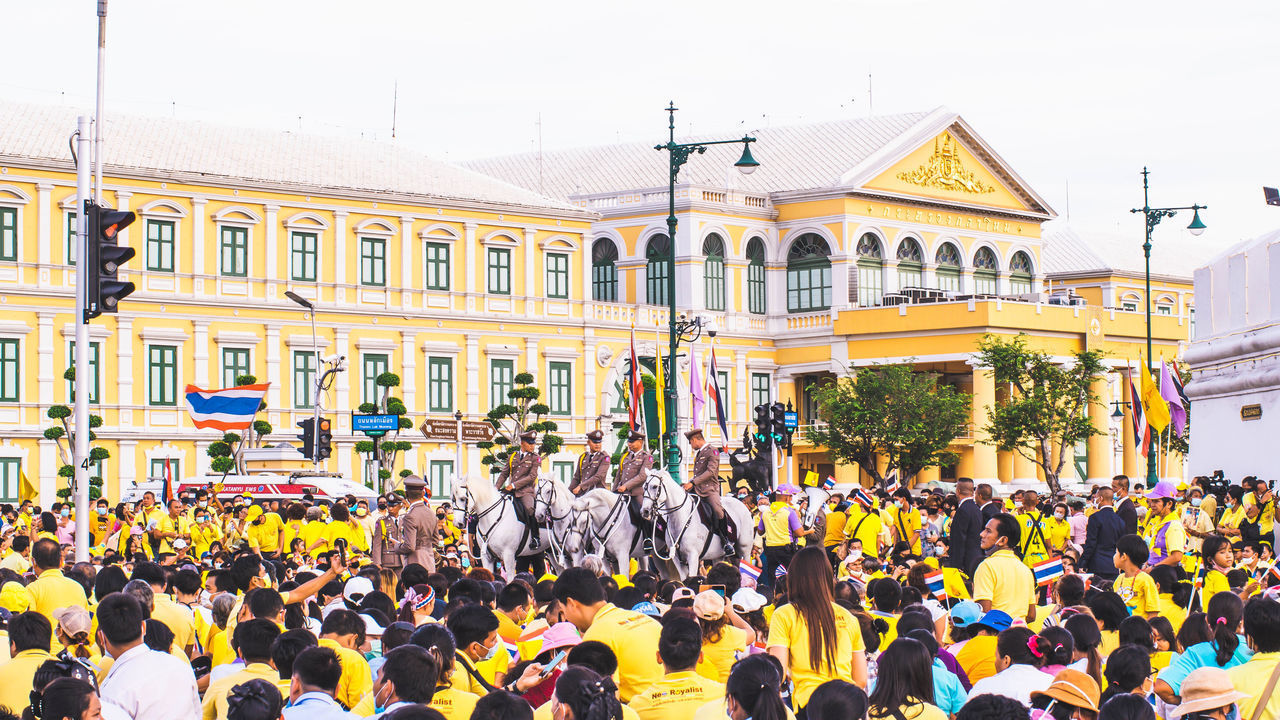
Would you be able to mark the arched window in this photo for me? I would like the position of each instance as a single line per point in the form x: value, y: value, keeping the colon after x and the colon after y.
x: 809, y: 274
x: 713, y: 271
x: 604, y: 270
x: 984, y: 272
x: 756, y: 303
x: 910, y: 259
x: 1020, y: 273
x: 657, y: 269
x: 870, y: 271
x: 948, y: 270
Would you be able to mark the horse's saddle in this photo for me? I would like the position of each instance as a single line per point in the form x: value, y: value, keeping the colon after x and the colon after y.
x: 705, y: 514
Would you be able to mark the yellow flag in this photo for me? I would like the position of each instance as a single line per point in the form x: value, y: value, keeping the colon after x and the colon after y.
x: 26, y: 491
x: 810, y: 479
x: 661, y: 393
x: 1154, y: 405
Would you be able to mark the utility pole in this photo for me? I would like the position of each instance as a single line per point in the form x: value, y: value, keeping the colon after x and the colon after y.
x: 80, y: 444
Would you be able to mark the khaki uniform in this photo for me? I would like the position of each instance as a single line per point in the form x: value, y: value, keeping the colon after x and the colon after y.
x: 632, y: 473
x: 418, y: 534
x: 386, y: 547
x: 592, y: 472
x: 522, y: 473
x: 706, y: 478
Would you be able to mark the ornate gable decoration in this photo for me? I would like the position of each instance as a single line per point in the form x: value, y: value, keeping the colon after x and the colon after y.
x: 945, y: 170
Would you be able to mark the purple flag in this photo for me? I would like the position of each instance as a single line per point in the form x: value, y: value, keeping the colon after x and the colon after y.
x: 695, y: 391
x: 1169, y: 391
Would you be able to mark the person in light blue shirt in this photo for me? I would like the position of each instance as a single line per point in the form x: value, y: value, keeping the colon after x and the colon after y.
x: 948, y: 693
x: 1227, y: 649
x: 316, y: 672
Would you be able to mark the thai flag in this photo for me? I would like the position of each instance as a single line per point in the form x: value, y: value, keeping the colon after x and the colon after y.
x: 829, y: 483
x: 748, y: 570
x: 167, y: 492
x: 936, y: 585
x: 713, y: 391
x: 891, y: 483
x: 1048, y: 571
x: 227, y: 409
x: 862, y: 498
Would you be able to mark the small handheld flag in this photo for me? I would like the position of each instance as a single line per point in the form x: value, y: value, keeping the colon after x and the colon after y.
x: 936, y: 585
x: 810, y: 479
x: 862, y: 498
x: 1048, y: 571
x: 829, y: 483
x: 748, y: 570
x: 891, y: 484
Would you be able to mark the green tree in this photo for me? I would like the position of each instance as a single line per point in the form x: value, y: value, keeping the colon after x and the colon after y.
x: 388, y: 449
x: 64, y: 438
x: 888, y: 411
x: 522, y: 413
x: 1049, y: 404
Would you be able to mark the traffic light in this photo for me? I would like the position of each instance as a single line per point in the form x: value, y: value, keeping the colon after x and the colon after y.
x: 104, y: 291
x: 778, y: 424
x: 762, y: 436
x: 324, y: 440
x: 308, y: 436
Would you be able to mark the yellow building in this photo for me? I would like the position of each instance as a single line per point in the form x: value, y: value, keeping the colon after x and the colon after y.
x: 878, y: 240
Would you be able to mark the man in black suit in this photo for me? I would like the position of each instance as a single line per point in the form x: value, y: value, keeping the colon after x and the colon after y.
x: 1125, y: 509
x: 989, y: 506
x: 966, y: 526
x: 1101, y: 534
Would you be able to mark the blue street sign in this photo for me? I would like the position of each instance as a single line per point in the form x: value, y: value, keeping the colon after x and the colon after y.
x: 369, y: 424
x: 791, y: 420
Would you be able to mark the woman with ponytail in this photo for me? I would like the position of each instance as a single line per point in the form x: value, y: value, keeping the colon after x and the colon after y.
x: 418, y: 604
x: 66, y: 698
x: 1087, y: 637
x: 1225, y: 650
x: 72, y: 631
x: 582, y: 694
x: 1061, y: 650
x: 1020, y: 654
x: 1128, y: 671
x: 753, y: 690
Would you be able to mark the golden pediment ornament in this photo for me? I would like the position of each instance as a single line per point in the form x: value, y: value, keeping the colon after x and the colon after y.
x: 945, y: 170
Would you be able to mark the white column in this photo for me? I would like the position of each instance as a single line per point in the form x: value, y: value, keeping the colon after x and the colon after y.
x: 590, y: 393
x: 202, y: 456
x: 127, y: 462
x: 124, y: 368
x: 197, y: 242
x: 46, y: 473
x: 122, y: 201
x: 473, y: 374
x: 273, y: 371
x: 409, y: 364
x: 889, y: 279
x: 44, y: 348
x: 840, y: 269
x: 533, y: 259
x: 406, y: 261
x: 346, y: 462
x: 271, y: 240
x: 469, y: 261
x: 340, y: 254
x: 531, y: 362
x: 689, y: 285
x: 44, y: 233
x: 200, y: 351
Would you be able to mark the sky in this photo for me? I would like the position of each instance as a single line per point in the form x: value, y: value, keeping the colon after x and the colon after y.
x: 1076, y: 96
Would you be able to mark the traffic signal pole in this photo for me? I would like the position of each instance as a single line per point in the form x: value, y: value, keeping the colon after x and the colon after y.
x: 80, y: 450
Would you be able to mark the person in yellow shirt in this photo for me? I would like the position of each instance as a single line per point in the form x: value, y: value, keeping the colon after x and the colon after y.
x: 102, y: 524
x: 316, y: 681
x: 1034, y: 529
x: 514, y: 603
x: 836, y: 519
x: 864, y: 524
x: 252, y: 641
x: 30, y: 634
x: 204, y: 532
x: 266, y: 529
x: 905, y: 680
x: 906, y: 522
x: 313, y: 532
x: 632, y: 636
x: 681, y: 690
x: 51, y: 590
x: 451, y: 702
x: 1058, y: 529
x: 1262, y: 631
x: 294, y: 520
x: 475, y: 630
x: 1166, y: 537
x: 724, y: 635
x: 1135, y: 587
x: 1002, y: 581
x: 1166, y: 579
x: 172, y: 526
x: 344, y: 528
x: 18, y: 557
x: 343, y: 632
x: 1218, y: 561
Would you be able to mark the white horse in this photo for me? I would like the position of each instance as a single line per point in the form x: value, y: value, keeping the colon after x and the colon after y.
x: 602, y: 525
x: 553, y: 508
x: 689, y: 540
x: 498, y: 531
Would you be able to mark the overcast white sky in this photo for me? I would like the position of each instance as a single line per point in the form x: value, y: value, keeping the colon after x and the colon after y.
x: 1074, y: 94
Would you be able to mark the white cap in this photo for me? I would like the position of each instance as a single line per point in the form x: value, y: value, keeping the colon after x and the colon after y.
x: 747, y: 600
x: 371, y: 626
x: 356, y: 588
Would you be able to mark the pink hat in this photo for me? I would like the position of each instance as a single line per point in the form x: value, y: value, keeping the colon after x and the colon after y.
x: 1164, y: 490
x: 562, y: 634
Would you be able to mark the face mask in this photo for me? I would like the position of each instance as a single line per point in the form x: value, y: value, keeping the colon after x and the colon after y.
x: 101, y: 511
x: 491, y: 652
x: 202, y: 519
x: 64, y: 512
x: 203, y: 504
x: 375, y: 646
x: 832, y: 505
x: 381, y: 506
x: 1060, y: 516
x: 380, y: 706
x: 439, y: 516
x: 855, y: 554
x: 361, y: 512
x: 1195, y: 502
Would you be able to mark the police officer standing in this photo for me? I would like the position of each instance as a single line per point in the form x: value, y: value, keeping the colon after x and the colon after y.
x: 386, y: 546
x: 418, y: 526
x: 593, y: 466
x: 520, y: 478
x: 705, y: 482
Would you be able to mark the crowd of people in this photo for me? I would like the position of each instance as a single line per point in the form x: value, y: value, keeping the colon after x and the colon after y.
x: 1126, y: 603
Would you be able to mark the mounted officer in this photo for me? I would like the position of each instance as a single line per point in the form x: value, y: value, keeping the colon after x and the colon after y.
x: 632, y: 472
x: 593, y: 466
x: 520, y: 478
x: 705, y: 483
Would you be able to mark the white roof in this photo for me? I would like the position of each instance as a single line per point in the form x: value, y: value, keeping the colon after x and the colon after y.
x: 194, y: 151
x: 801, y: 157
x: 1067, y: 249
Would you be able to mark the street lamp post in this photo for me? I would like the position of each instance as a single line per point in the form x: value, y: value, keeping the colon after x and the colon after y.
x: 1153, y: 217
x: 315, y: 345
x: 677, y: 155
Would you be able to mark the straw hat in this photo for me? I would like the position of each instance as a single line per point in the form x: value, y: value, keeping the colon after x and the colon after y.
x: 1073, y: 688
x: 1206, y: 688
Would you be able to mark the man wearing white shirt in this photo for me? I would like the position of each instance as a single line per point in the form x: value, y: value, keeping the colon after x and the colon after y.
x: 146, y: 684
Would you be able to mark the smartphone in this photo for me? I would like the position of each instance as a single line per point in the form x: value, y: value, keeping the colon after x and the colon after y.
x: 551, y: 666
x: 341, y: 546
x: 718, y: 589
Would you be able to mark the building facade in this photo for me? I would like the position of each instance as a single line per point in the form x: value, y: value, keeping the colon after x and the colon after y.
x: 895, y: 239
